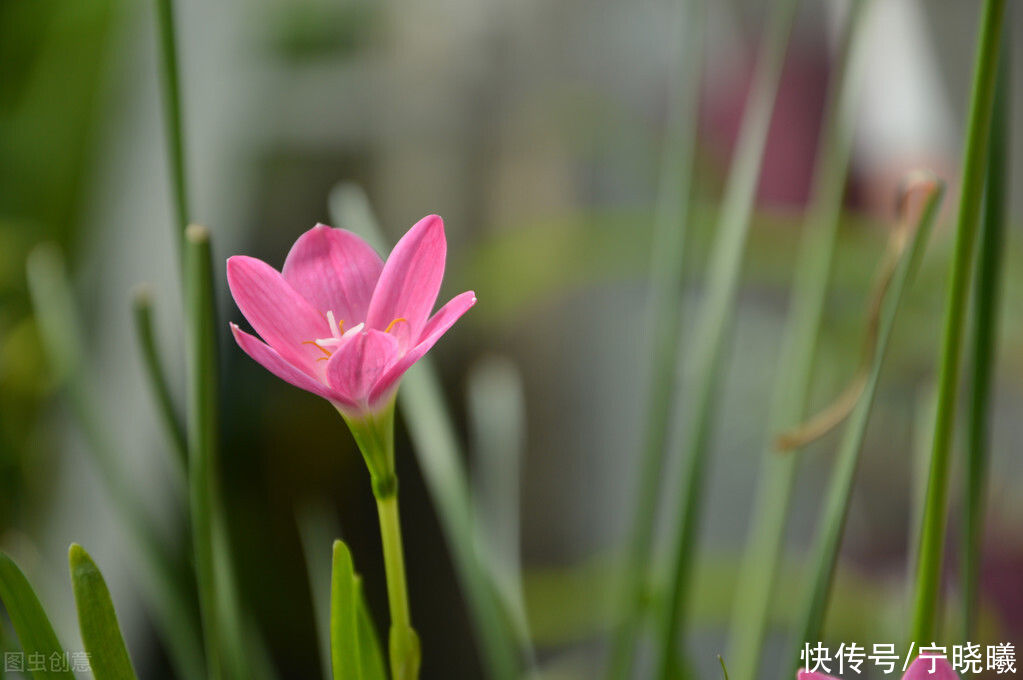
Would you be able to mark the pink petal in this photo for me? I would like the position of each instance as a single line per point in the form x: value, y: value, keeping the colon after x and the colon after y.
x: 807, y: 675
x: 920, y: 669
x: 335, y: 270
x: 357, y: 364
x: 265, y: 355
x: 437, y: 326
x: 411, y: 278
x: 282, y: 317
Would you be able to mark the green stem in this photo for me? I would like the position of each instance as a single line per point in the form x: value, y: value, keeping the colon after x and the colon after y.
x: 752, y: 599
x: 932, y: 536
x: 712, y: 328
x: 142, y: 309
x: 663, y: 330
x: 374, y: 435
x: 394, y: 567
x: 439, y: 454
x: 172, y: 112
x: 986, y: 296
x: 203, y: 435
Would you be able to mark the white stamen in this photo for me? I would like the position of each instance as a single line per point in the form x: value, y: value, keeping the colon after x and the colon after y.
x: 335, y: 330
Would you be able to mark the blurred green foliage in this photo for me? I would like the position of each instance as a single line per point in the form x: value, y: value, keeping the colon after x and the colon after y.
x: 52, y: 59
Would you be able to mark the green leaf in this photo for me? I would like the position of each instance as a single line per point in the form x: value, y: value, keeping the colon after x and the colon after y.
x: 344, y: 616
x: 984, y: 340
x: 97, y: 620
x: 932, y: 532
x: 30, y: 621
x: 824, y: 555
x: 354, y: 647
x: 795, y: 364
x: 712, y: 333
x: 370, y: 654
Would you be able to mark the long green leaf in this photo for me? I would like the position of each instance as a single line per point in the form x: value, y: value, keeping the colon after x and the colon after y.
x: 986, y: 298
x: 344, y: 616
x: 795, y: 364
x: 162, y: 579
x: 932, y: 535
x: 370, y: 655
x: 29, y: 620
x: 438, y: 452
x: 497, y: 423
x: 836, y: 503
x: 664, y: 325
x: 713, y: 325
x: 97, y: 620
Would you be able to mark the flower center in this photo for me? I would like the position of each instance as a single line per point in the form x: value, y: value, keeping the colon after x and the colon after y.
x: 338, y: 333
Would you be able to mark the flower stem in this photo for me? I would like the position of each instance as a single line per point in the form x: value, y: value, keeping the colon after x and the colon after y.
x: 374, y: 435
x: 986, y: 296
x: 439, y: 454
x: 404, y: 643
x: 932, y: 535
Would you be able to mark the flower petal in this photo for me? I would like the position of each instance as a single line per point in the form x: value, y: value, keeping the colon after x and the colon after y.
x: 335, y: 270
x: 437, y: 326
x: 803, y: 674
x: 920, y: 669
x: 357, y: 364
x: 265, y: 355
x: 411, y: 278
x: 282, y: 317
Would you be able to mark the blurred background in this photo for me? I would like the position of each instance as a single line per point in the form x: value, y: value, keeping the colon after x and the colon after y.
x: 535, y: 129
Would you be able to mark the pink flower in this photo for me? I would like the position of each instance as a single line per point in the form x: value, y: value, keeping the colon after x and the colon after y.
x: 920, y: 669
x: 339, y: 322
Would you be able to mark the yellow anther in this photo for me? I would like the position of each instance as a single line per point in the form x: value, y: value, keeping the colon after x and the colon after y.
x: 319, y: 347
x: 341, y: 326
x: 391, y: 325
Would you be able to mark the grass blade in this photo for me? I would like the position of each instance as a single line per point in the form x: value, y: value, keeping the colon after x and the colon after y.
x: 986, y: 297
x: 29, y: 619
x: 716, y: 313
x: 836, y: 503
x: 795, y: 364
x: 497, y: 420
x: 163, y: 581
x: 97, y: 620
x: 142, y: 313
x: 932, y: 535
x: 421, y: 401
x: 664, y: 325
